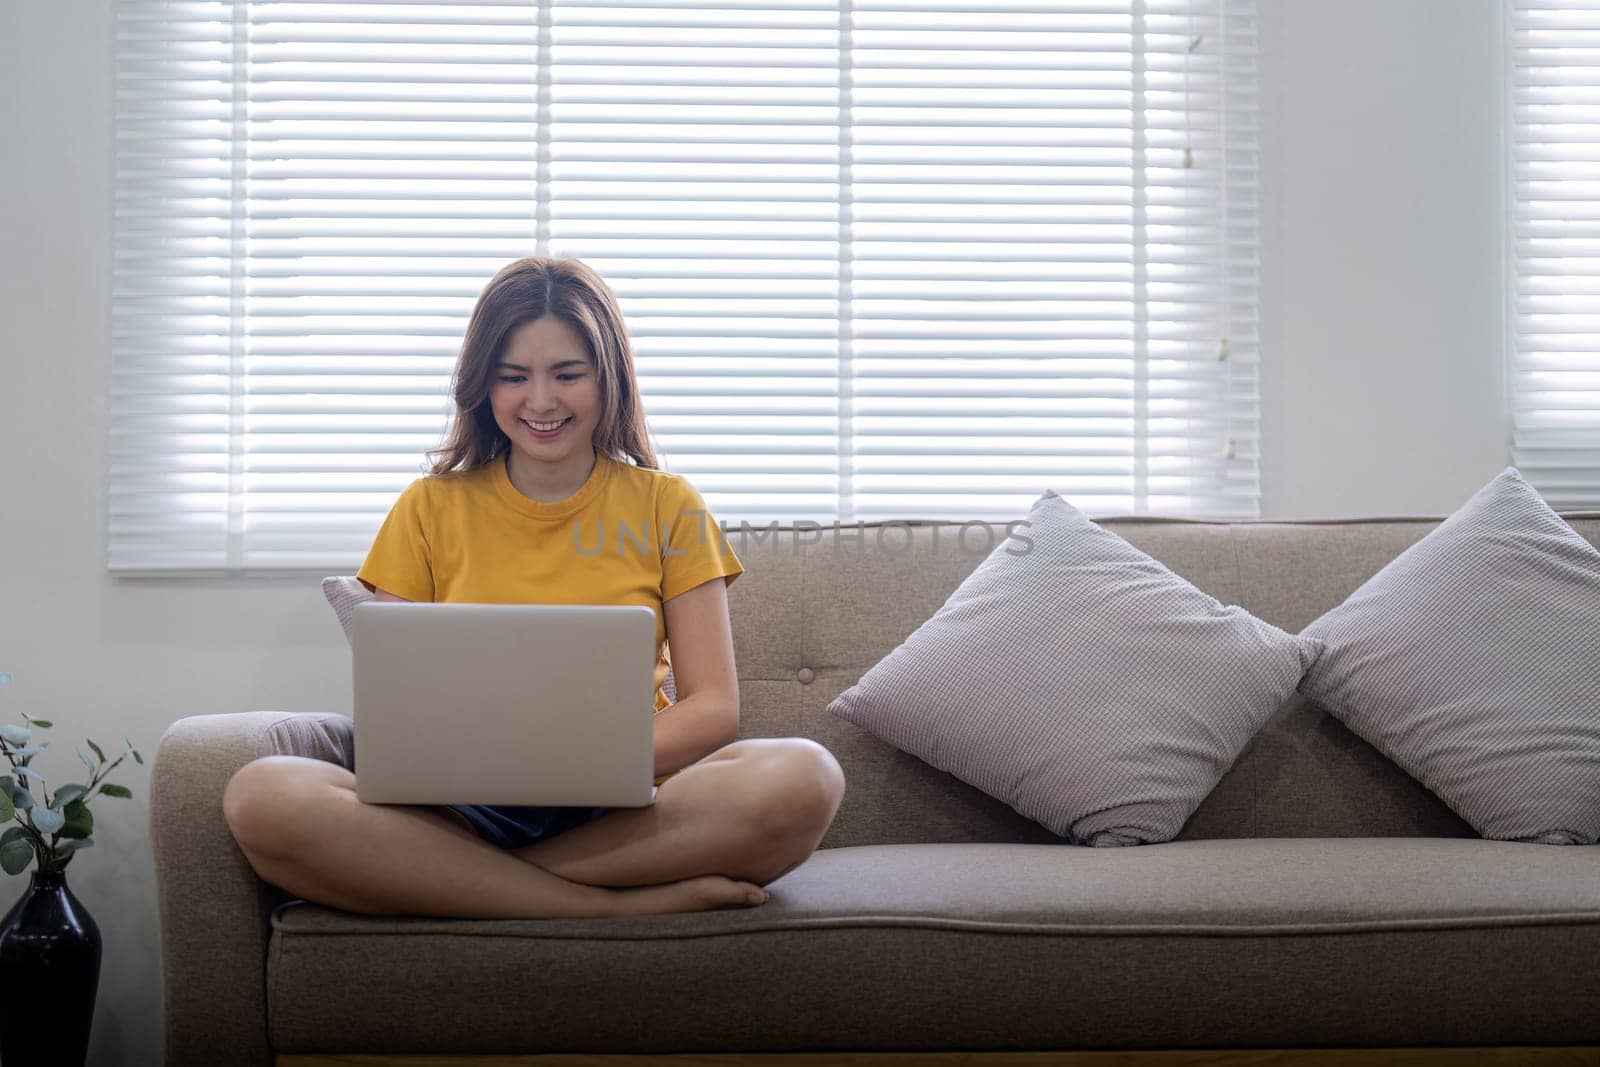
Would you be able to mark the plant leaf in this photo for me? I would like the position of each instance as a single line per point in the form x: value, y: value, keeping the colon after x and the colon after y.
x: 24, y: 753
x: 67, y: 848
x: 14, y: 734
x: 116, y: 791
x: 133, y: 751
x: 15, y: 856
x: 37, y: 722
x: 28, y: 772
x: 22, y: 798
x: 79, y: 822
x: 8, y: 810
x: 68, y: 793
x: 47, y: 820
x: 14, y: 834
x: 87, y: 762
x: 5, y: 679
x: 95, y: 749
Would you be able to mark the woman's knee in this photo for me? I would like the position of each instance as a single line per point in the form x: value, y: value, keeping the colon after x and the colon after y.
x: 802, y: 786
x: 265, y: 798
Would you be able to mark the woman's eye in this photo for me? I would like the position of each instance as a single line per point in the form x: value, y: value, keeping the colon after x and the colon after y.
x: 510, y: 378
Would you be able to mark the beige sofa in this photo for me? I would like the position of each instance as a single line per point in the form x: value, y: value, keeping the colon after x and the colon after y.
x: 1317, y: 898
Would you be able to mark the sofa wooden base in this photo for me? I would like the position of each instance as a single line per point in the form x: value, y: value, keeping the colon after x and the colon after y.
x: 1544, y: 1056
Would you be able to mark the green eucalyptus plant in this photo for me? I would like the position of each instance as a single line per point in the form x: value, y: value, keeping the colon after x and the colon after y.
x: 64, y: 817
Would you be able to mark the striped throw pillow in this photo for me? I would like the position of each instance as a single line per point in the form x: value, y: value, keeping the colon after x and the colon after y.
x: 1473, y: 662
x: 1083, y: 683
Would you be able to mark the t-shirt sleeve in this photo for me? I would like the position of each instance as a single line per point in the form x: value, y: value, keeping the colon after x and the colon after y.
x: 401, y: 561
x: 693, y: 548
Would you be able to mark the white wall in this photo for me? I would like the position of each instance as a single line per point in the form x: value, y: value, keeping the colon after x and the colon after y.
x: 1383, y: 202
x: 1382, y: 391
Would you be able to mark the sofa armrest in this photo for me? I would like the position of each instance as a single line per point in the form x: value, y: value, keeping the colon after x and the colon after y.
x: 214, y: 910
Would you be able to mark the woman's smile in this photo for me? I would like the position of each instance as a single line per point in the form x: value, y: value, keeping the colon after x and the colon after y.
x: 535, y: 431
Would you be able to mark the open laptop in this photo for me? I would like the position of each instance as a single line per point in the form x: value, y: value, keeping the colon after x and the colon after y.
x: 504, y: 704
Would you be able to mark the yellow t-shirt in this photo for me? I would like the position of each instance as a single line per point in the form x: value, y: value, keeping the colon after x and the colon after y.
x: 629, y: 535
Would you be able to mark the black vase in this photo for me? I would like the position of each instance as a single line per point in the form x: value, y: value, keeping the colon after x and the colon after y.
x: 49, y: 968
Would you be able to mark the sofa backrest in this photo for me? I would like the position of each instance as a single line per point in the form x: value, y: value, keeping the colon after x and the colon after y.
x: 817, y: 607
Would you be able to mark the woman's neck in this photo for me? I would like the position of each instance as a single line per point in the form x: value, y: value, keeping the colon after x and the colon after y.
x: 549, y: 483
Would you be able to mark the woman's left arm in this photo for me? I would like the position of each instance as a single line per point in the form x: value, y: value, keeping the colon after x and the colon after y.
x: 706, y: 715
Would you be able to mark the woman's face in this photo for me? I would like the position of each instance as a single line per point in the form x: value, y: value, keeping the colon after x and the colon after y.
x: 545, y: 376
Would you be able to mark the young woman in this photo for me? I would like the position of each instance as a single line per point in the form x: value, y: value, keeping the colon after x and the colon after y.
x: 546, y: 461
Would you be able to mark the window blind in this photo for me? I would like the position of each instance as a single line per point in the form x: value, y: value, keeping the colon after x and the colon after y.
x: 1554, y: 157
x: 878, y: 258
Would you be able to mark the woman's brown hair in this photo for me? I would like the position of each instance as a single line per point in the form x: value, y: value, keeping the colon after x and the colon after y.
x: 523, y: 291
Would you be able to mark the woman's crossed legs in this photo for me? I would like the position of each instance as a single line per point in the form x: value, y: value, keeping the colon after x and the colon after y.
x: 741, y: 817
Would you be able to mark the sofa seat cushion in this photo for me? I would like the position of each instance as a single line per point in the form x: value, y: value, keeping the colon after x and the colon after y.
x: 1265, y: 943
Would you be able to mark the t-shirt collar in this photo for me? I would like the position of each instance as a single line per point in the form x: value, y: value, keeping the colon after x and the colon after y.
x: 555, y: 509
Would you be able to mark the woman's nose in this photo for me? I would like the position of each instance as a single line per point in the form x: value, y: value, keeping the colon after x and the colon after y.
x: 539, y: 397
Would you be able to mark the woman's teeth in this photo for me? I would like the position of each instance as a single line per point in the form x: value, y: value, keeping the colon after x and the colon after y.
x: 544, y: 427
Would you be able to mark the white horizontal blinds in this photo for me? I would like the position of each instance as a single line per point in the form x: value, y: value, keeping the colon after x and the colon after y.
x: 878, y: 260
x: 310, y: 198
x: 393, y: 151
x: 695, y: 162
x: 1042, y: 266
x: 173, y: 287
x: 1555, y: 372
x: 923, y: 259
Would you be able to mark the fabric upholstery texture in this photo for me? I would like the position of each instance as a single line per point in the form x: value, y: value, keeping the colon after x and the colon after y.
x: 1227, y: 944
x: 343, y: 594
x: 1472, y: 660
x: 1081, y: 682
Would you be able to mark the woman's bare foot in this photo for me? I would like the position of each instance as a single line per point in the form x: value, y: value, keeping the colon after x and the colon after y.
x: 692, y: 894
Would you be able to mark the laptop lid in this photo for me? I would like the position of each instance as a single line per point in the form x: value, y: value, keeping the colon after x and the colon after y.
x: 504, y: 703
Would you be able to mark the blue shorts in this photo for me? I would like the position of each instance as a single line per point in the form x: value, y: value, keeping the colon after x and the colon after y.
x: 513, y: 826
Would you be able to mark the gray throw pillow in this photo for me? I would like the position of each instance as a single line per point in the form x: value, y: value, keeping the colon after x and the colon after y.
x: 343, y: 595
x: 1081, y: 682
x: 1473, y: 662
